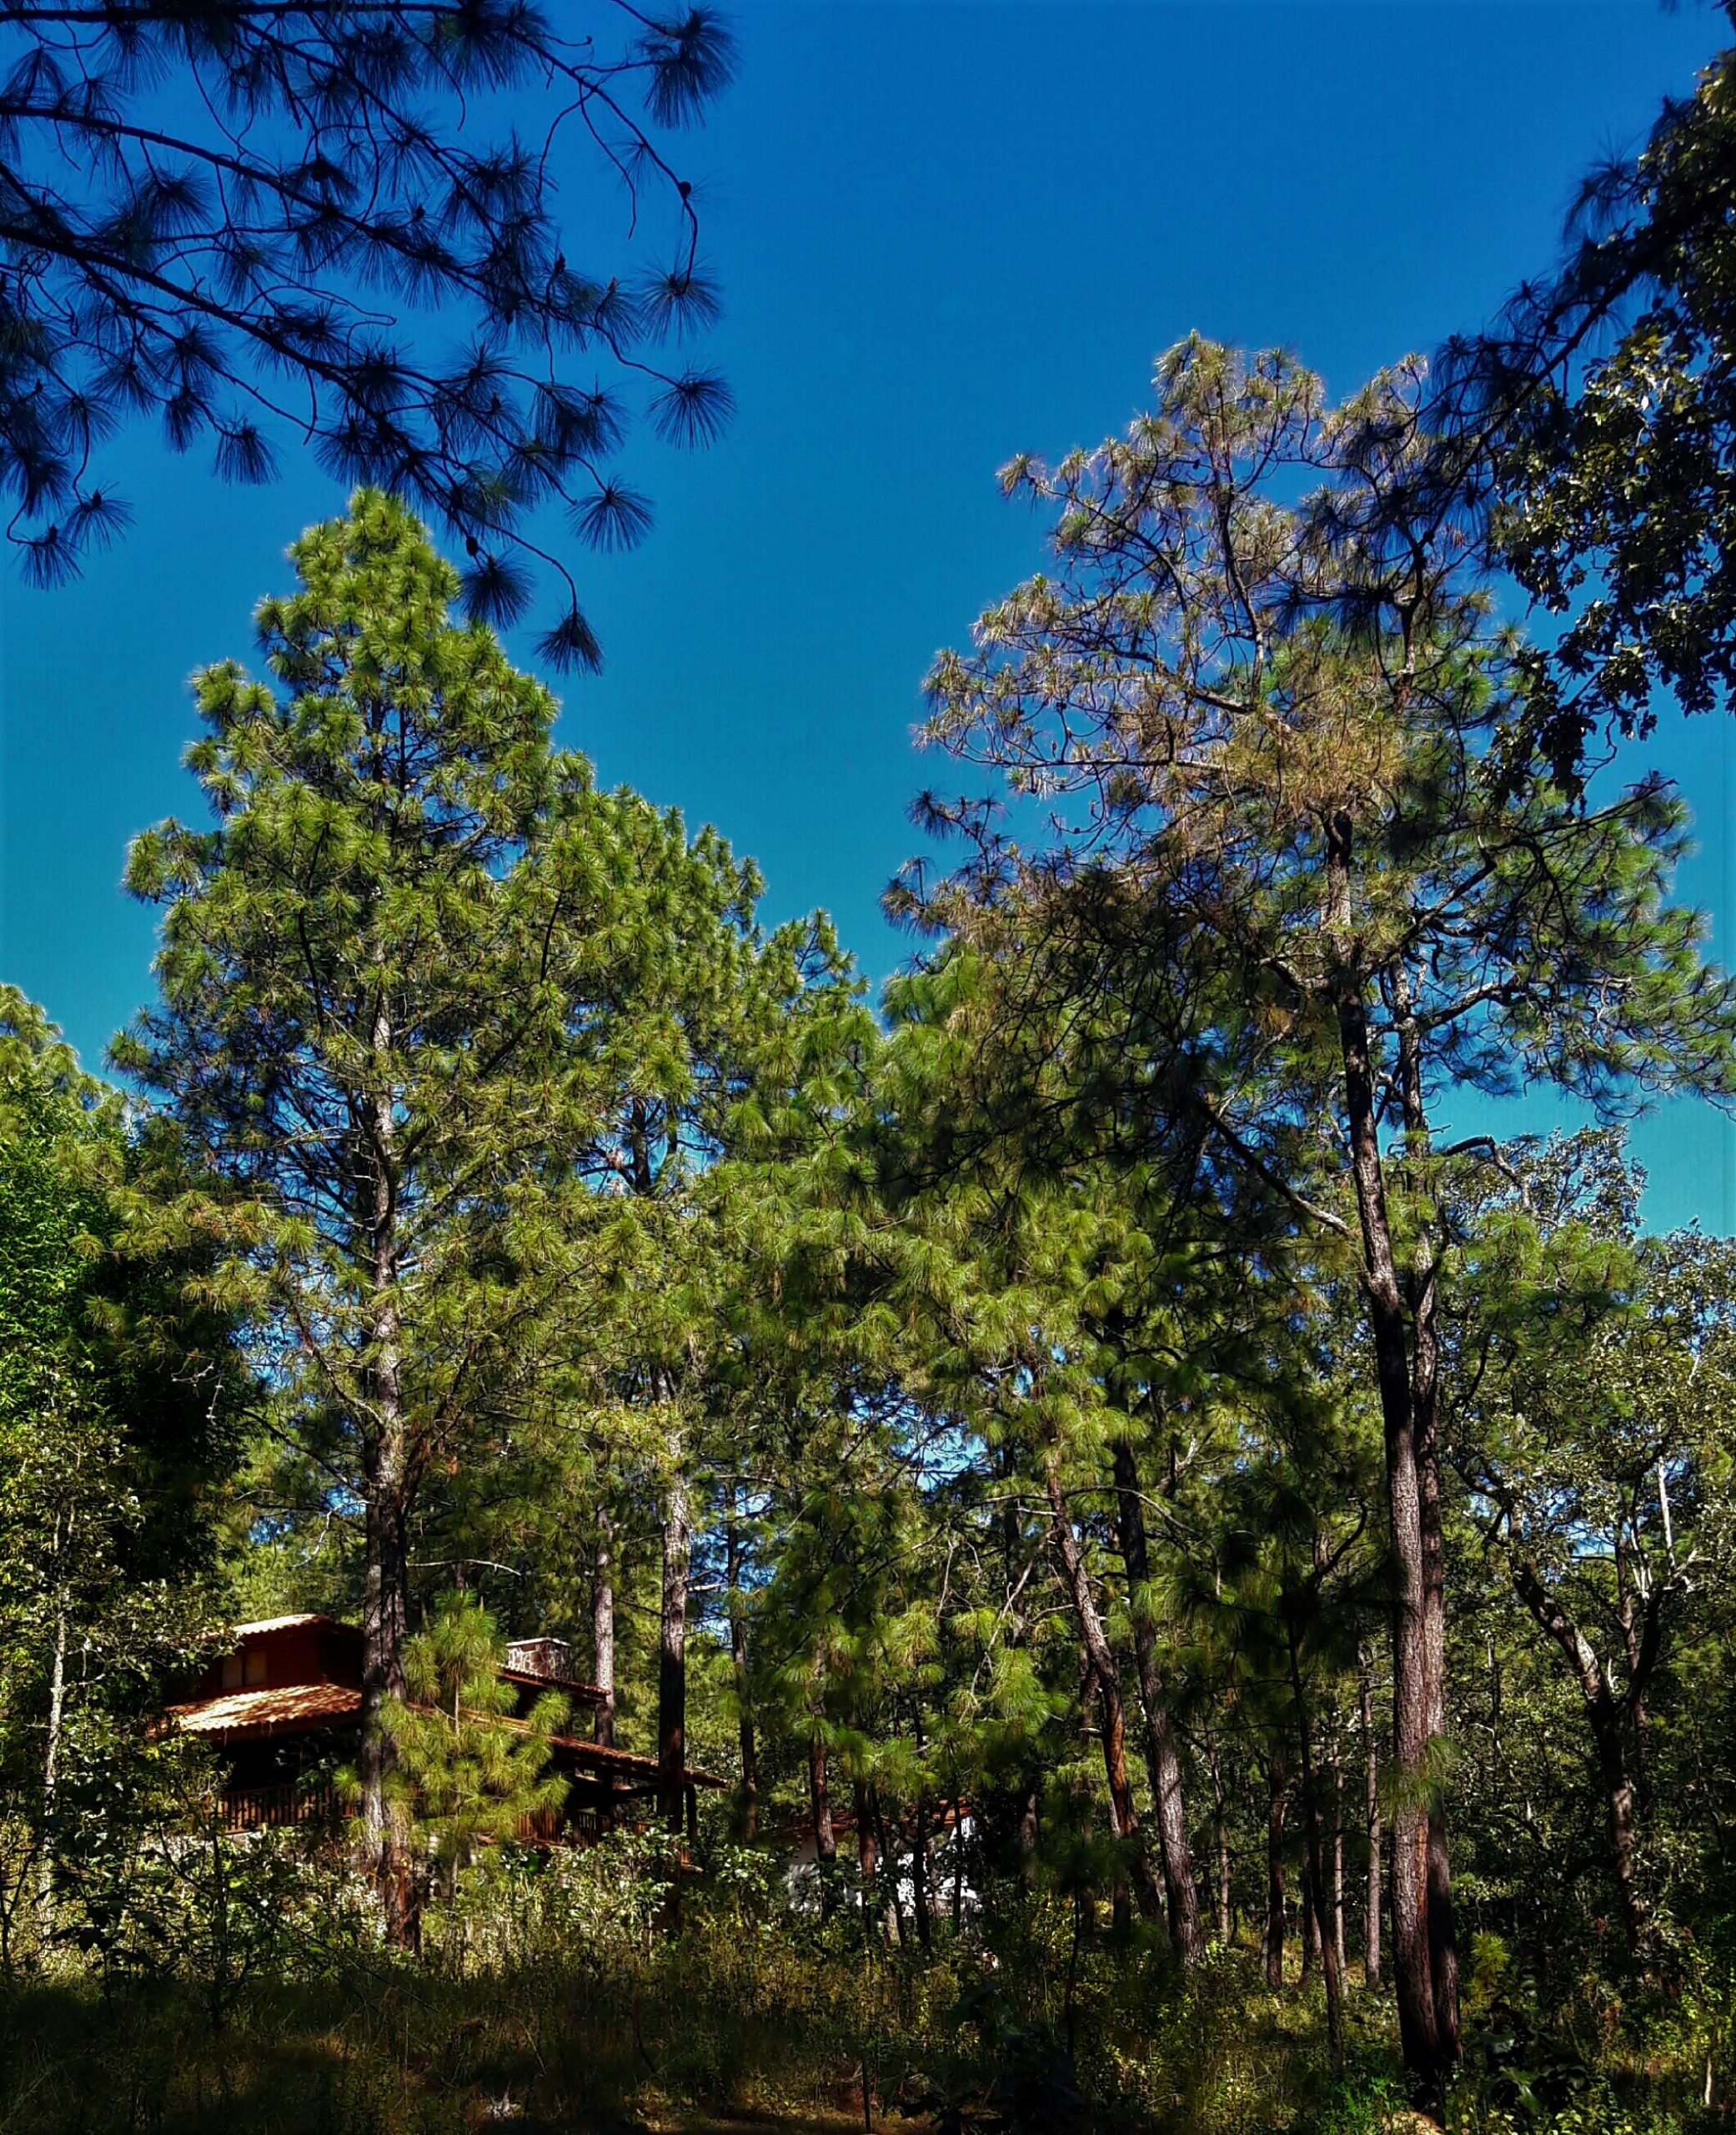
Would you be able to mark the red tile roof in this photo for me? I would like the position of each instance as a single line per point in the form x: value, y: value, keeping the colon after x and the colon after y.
x: 290, y: 1711
x: 295, y: 1623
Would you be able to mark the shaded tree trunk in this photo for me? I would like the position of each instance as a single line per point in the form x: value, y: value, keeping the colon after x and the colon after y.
x: 1220, y: 1842
x: 385, y: 1614
x: 1314, y: 1857
x: 1422, y: 1291
x: 748, y: 1815
x: 47, y: 1859
x: 1427, y: 2055
x: 1337, y: 1765
x: 1607, y: 1715
x: 1099, y: 1659
x: 1163, y: 1766
x: 672, y: 1653
x: 1276, y: 1781
x: 387, y: 1490
x: 820, y: 1804
x: 1371, y: 1811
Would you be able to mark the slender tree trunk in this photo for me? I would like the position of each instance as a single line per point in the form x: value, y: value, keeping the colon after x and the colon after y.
x: 1336, y: 1766
x: 1275, y: 1780
x: 1221, y: 1839
x: 1163, y: 1766
x: 819, y: 1802
x: 1100, y: 1657
x: 867, y: 1843
x: 887, y: 1853
x: 921, y: 1878
x: 1314, y: 1856
x: 602, y: 1631
x: 1426, y: 2056
x: 748, y: 1815
x: 672, y: 1651
x: 49, y: 1855
x: 385, y: 1625
x: 1423, y: 1291
x: 1371, y: 1805
x: 389, y: 1489
x: 1605, y: 1715
x: 1027, y: 1837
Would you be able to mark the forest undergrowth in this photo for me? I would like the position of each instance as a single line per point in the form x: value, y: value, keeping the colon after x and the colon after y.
x: 558, y: 1994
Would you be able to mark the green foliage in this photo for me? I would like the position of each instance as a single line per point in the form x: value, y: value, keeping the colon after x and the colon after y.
x: 461, y: 1777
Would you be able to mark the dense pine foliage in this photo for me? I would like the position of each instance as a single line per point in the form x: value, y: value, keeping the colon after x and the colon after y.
x: 1208, y: 1590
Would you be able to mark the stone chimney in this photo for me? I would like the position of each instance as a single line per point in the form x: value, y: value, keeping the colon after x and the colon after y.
x: 549, y: 1658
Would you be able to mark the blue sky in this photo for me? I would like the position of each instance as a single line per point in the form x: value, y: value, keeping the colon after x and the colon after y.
x: 945, y: 232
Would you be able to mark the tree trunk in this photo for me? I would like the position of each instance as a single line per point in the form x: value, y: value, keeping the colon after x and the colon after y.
x: 1427, y: 2055
x: 1221, y: 1834
x: 1163, y: 1766
x: 388, y: 1489
x: 385, y: 1625
x: 602, y: 1631
x: 1314, y: 1857
x: 748, y: 1813
x: 1027, y: 1838
x: 47, y: 1859
x: 1337, y: 1765
x: 1371, y: 1946
x: 1423, y: 1291
x: 1606, y: 1714
x: 819, y: 1802
x: 1099, y: 1658
x: 1274, y: 1940
x: 672, y: 1653
x: 867, y: 1842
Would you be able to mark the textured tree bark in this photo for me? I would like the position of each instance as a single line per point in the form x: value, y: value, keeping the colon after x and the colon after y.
x: 1426, y: 2056
x: 1423, y: 1296
x: 1163, y: 1766
x: 748, y: 1811
x: 388, y: 1488
x: 672, y: 1652
x: 1276, y: 1780
x: 385, y: 1623
x: 1100, y: 1657
x: 602, y: 1631
x: 1371, y: 1810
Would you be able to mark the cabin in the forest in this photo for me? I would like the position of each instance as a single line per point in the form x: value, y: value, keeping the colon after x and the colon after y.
x: 283, y: 1704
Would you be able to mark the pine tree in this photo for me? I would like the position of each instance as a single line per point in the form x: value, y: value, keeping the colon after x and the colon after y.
x: 1287, y: 736
x: 464, y: 1773
x: 363, y: 1036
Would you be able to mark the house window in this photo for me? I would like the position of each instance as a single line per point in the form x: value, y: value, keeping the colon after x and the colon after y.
x: 232, y: 1671
x: 255, y: 1659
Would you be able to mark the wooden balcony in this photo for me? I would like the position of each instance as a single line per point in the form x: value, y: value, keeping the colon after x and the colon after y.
x: 294, y: 1804
x: 280, y: 1808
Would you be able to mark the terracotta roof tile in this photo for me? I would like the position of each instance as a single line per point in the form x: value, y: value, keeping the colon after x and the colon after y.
x: 250, y: 1712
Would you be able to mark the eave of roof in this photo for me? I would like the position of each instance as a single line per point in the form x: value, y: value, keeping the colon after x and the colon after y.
x: 306, y: 1620
x: 291, y: 1710
x: 301, y: 1707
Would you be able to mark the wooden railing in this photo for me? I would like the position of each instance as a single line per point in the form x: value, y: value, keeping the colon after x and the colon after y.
x: 551, y: 1827
x: 280, y: 1808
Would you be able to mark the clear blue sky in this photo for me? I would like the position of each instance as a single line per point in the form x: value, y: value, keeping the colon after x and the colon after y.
x: 945, y: 232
